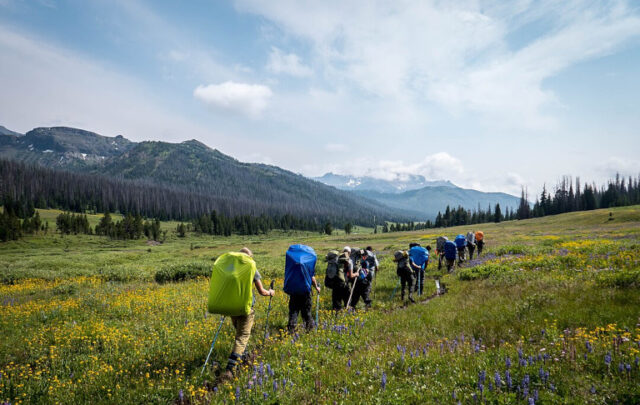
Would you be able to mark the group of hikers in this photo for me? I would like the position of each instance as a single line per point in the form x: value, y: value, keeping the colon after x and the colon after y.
x: 350, y: 275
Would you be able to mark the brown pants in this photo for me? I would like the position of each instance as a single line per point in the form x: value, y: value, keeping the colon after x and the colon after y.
x: 243, y: 325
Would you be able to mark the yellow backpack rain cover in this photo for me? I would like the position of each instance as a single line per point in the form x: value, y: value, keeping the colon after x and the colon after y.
x: 230, y: 288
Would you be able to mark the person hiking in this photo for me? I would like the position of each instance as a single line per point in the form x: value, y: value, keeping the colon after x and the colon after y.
x: 373, y: 261
x: 340, y: 291
x: 450, y: 254
x: 418, y: 257
x: 244, y: 323
x: 471, y: 243
x: 461, y: 245
x: 335, y: 280
x: 365, y: 279
x: 299, y: 277
x: 405, y: 273
x: 440, y: 249
x: 353, y: 276
x: 479, y: 241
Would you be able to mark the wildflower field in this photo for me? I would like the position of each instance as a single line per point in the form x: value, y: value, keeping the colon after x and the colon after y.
x: 549, y: 314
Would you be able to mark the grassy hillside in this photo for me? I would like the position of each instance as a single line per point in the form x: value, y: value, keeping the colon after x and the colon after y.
x: 549, y: 314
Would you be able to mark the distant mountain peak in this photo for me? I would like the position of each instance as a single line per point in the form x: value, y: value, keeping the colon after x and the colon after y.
x: 401, y: 183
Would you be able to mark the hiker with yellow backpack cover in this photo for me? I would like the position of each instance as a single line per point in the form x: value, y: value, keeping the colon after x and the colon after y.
x: 230, y: 294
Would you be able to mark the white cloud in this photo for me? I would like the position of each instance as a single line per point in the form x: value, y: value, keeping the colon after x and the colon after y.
x: 247, y: 99
x: 456, y: 54
x: 287, y: 63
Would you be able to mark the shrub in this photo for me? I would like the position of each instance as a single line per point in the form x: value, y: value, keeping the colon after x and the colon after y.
x: 182, y: 272
x: 620, y: 279
x: 483, y: 271
x: 511, y: 250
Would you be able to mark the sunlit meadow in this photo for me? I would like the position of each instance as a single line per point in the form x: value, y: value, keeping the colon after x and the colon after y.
x: 549, y: 314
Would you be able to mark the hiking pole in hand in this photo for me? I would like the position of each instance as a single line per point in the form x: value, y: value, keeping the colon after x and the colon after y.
x: 317, y: 306
x: 213, y: 344
x: 355, y: 280
x: 393, y: 294
x: 266, y: 325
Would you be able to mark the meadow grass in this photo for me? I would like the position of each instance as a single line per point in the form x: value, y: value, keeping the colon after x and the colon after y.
x: 549, y: 314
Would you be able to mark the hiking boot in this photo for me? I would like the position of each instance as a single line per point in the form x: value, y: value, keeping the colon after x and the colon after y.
x: 226, y: 376
x: 412, y: 300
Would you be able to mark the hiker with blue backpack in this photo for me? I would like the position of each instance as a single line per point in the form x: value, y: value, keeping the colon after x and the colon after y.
x: 418, y: 259
x: 440, y: 249
x: 461, y: 245
x: 230, y: 294
x: 299, y: 277
x: 450, y: 250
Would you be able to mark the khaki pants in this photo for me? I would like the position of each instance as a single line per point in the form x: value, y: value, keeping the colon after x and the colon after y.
x: 243, y: 325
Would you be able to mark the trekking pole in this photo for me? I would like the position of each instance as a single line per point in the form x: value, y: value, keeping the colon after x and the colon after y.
x: 393, y: 294
x: 213, y: 344
x: 355, y: 280
x: 266, y: 324
x: 317, y: 307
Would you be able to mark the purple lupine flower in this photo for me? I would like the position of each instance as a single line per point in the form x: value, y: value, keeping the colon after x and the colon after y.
x: 552, y: 387
x: 526, y: 380
x: 589, y: 346
x: 349, y: 363
x: 409, y: 370
x: 237, y: 392
x: 628, y: 367
x: 593, y: 389
x: 275, y: 386
x: 384, y: 380
x: 535, y: 395
x: 525, y: 392
x: 358, y: 373
x: 585, y: 356
x: 607, y: 358
x: 480, y: 388
x: 215, y: 389
x: 481, y: 376
x: 260, y: 381
x: 637, y: 361
x: 532, y: 401
x: 507, y: 377
x: 477, y: 348
x: 620, y: 367
x: 265, y: 395
x: 543, y: 331
x: 261, y: 368
x: 497, y: 379
x: 490, y: 386
x: 520, y: 355
x: 541, y: 373
x: 453, y: 395
x: 181, y: 396
x: 507, y: 362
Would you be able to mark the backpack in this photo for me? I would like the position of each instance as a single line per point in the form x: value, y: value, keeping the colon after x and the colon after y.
x: 300, y: 267
x: 479, y: 235
x: 419, y: 255
x: 450, y: 250
x: 440, y: 243
x: 471, y: 238
x: 334, y: 275
x: 399, y: 255
x: 230, y: 287
x: 461, y: 241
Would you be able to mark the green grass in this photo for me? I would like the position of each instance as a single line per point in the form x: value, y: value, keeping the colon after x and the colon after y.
x: 83, y: 320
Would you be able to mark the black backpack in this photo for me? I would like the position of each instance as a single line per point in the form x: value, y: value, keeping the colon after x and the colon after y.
x: 335, y: 274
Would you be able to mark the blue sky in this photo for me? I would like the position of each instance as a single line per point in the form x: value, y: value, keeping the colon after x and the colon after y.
x: 489, y: 94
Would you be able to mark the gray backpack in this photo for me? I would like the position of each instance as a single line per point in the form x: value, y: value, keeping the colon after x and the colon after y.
x: 471, y: 238
x: 333, y: 275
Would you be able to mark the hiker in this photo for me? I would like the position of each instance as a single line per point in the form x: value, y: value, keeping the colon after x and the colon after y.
x: 479, y: 241
x: 471, y: 243
x: 299, y: 277
x: 373, y: 261
x: 340, y: 293
x: 461, y: 244
x: 335, y: 280
x: 352, y: 275
x: 404, y: 272
x: 241, y: 323
x: 450, y: 254
x: 365, y: 279
x: 440, y: 249
x: 418, y: 257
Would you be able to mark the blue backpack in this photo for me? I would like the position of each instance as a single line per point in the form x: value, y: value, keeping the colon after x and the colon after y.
x: 419, y: 255
x: 300, y: 267
x: 450, y: 250
x: 461, y: 241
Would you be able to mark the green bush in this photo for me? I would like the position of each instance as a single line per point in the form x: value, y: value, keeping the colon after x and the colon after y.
x: 511, y: 250
x: 483, y: 271
x: 182, y: 272
x: 120, y: 273
x: 620, y: 279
